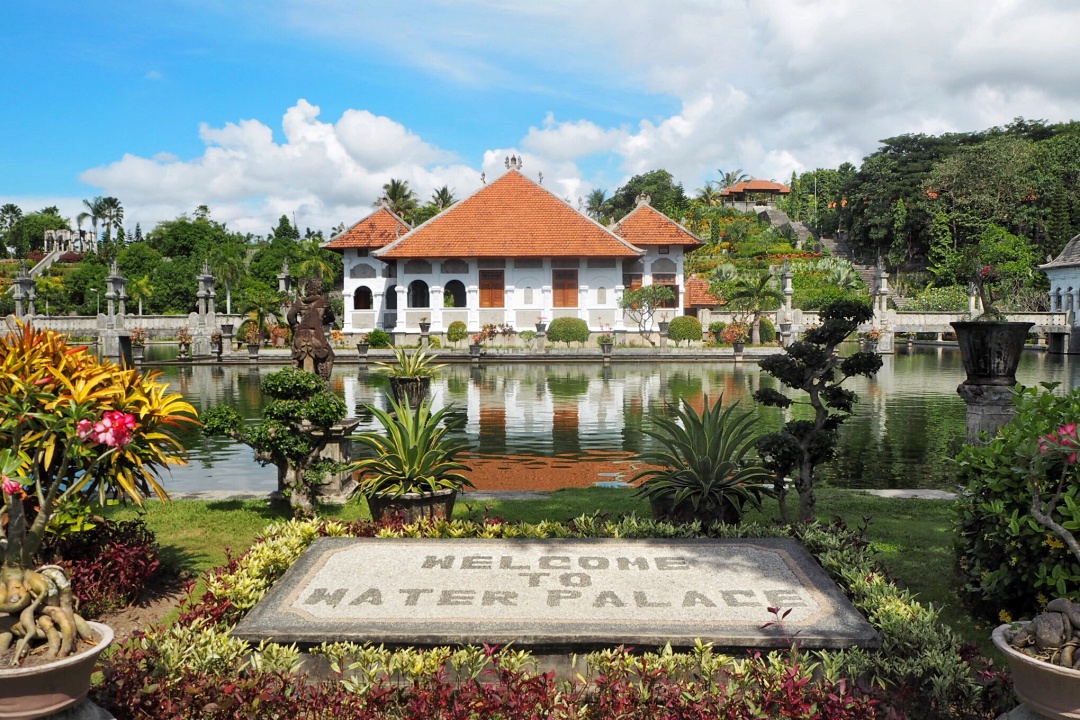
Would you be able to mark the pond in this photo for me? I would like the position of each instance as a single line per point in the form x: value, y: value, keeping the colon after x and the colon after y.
x: 544, y: 426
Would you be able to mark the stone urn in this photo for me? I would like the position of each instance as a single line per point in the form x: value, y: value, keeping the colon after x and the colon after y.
x: 663, y: 325
x: 541, y: 327
x: 605, y: 348
x: 991, y: 351
x: 410, y: 391
x: 185, y: 351
x: 1049, y: 689
x: 43, y: 690
x: 226, y: 329
x: 138, y: 352
x: 739, y: 346
x: 474, y: 350
x: 362, y: 349
x: 412, y: 507
x: 253, y: 351
x: 425, y: 327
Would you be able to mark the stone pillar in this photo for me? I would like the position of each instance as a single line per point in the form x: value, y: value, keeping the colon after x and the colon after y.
x: 620, y: 323
x: 988, y: 408
x: 284, y: 278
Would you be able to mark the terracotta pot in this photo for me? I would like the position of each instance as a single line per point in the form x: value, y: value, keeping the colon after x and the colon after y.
x: 42, y: 690
x: 1049, y: 689
x: 413, y: 506
x: 991, y: 350
x: 410, y: 391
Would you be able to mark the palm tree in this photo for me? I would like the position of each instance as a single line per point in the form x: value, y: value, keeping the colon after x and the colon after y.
x: 9, y: 215
x: 315, y: 261
x: 709, y: 195
x: 594, y: 206
x: 140, y: 289
x: 402, y: 198
x: 754, y: 295
x: 228, y: 263
x: 443, y: 198
x: 112, y: 212
x: 94, y: 212
x: 727, y: 179
x: 261, y: 306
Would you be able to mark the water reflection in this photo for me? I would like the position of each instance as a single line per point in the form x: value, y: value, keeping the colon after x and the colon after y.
x: 544, y: 426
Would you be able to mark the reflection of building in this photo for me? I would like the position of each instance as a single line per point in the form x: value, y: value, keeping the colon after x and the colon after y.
x: 510, y: 254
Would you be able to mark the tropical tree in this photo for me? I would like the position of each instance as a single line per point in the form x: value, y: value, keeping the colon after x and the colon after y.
x: 594, y: 204
x: 754, y: 295
x: 664, y: 194
x: 227, y: 261
x: 402, y: 198
x: 642, y: 303
x: 260, y: 307
x: 733, y: 177
x: 708, y: 195
x: 9, y: 215
x: 316, y: 261
x: 443, y: 198
x: 95, y: 211
x: 112, y: 212
x: 140, y: 289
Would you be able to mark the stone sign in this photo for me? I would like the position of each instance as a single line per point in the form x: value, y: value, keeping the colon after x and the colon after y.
x: 557, y: 593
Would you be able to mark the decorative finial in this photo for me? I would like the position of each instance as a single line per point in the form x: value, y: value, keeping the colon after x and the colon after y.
x: 384, y: 202
x: 642, y: 200
x: 580, y: 204
x: 483, y: 178
x: 541, y: 176
x: 506, y: 162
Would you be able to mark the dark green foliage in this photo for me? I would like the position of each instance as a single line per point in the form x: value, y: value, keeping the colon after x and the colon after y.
x: 665, y: 195
x: 768, y: 331
x: 717, y: 326
x: 568, y: 330
x: 1007, y: 561
x: 951, y: 298
x: 811, y: 365
x: 705, y: 467
x: 457, y: 331
x: 684, y: 327
x: 379, y: 339
x: 292, y: 384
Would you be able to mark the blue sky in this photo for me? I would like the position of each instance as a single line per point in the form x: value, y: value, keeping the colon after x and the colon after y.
x: 307, y: 107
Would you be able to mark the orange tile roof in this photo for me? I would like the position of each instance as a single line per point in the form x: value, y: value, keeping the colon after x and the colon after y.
x: 756, y: 186
x: 510, y: 217
x: 377, y: 230
x: 645, y: 225
x: 697, y: 294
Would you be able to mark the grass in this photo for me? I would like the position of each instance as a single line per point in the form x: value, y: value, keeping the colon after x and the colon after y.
x: 913, y: 537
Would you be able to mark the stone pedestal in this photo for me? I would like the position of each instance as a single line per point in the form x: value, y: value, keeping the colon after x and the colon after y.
x: 988, y: 408
x: 886, y: 344
x: 541, y: 337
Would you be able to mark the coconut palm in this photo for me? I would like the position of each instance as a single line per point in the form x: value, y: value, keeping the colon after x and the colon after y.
x: 313, y: 260
x: 228, y: 263
x: 594, y: 206
x: 709, y: 195
x: 734, y: 177
x: 112, y: 212
x: 140, y: 289
x: 95, y: 211
x: 9, y: 215
x: 443, y: 198
x: 755, y: 295
x: 402, y: 198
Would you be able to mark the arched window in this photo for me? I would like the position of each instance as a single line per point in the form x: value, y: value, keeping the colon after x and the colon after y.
x: 391, y: 297
x: 419, y: 297
x: 454, y: 294
x: 362, y: 299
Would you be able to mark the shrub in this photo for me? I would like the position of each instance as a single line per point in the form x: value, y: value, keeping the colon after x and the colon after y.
x: 457, y: 332
x: 951, y: 298
x: 768, y: 331
x: 568, y: 330
x: 684, y: 327
x: 113, y: 562
x: 379, y: 339
x: 717, y: 326
x: 1009, y: 565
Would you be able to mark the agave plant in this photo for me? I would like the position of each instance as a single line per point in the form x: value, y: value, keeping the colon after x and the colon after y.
x: 704, y: 468
x: 410, y: 365
x: 414, y: 454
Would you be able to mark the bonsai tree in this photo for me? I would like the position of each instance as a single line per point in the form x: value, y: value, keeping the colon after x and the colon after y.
x: 294, y: 430
x: 704, y: 466
x: 415, y: 454
x: 73, y: 428
x: 812, y: 366
x: 642, y: 303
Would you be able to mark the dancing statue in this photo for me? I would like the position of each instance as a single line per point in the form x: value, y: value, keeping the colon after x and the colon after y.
x: 306, y: 317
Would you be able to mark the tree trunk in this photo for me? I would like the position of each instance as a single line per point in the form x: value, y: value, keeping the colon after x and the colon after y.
x: 805, y: 487
x: 228, y: 299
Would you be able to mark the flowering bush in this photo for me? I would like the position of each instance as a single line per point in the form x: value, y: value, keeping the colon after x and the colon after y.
x: 138, y: 336
x: 735, y: 332
x: 872, y: 335
x: 338, y: 338
x: 70, y: 425
x: 250, y: 333
x: 183, y: 335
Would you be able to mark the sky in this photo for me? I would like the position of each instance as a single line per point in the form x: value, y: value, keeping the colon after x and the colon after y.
x: 307, y: 107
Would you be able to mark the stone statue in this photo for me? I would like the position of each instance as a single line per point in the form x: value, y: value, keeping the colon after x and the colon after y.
x: 306, y: 317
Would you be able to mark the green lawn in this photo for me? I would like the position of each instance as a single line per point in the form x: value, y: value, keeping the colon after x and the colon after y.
x: 914, y: 537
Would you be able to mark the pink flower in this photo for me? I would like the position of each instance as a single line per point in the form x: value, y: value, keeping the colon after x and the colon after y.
x: 83, y: 429
x: 113, y: 429
x: 10, y: 486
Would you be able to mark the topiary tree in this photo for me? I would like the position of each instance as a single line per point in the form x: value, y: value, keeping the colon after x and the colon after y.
x: 768, y: 331
x: 568, y: 330
x: 294, y: 430
x: 457, y: 332
x: 813, y: 366
x: 684, y: 327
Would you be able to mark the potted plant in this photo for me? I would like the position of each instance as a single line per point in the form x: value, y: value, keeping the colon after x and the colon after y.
x: 72, y: 428
x: 138, y: 343
x: 425, y: 326
x: 662, y: 324
x: 183, y: 337
x: 871, y: 338
x: 716, y: 329
x: 250, y: 335
x: 413, y: 468
x: 410, y: 374
x: 606, y: 342
x: 990, y: 346
x: 216, y: 346
x: 735, y: 334
x: 476, y: 345
x: 541, y: 324
x: 362, y: 346
x: 704, y: 467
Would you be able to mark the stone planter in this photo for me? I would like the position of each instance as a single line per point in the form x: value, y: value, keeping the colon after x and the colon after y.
x: 474, y: 350
x: 739, y: 347
x: 541, y: 327
x: 40, y: 691
x: 871, y: 346
x: 253, y: 351
x: 606, y: 348
x: 425, y: 327
x: 410, y: 391
x: 138, y: 352
x: 1049, y: 689
x: 226, y: 329
x: 991, y: 350
x: 185, y: 351
x: 663, y: 325
x: 362, y: 349
x: 412, y: 507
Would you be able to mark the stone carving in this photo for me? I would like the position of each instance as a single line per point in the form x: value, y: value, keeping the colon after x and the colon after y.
x: 306, y: 317
x: 362, y: 271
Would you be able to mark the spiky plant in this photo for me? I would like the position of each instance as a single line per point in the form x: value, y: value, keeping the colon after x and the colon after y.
x: 410, y: 365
